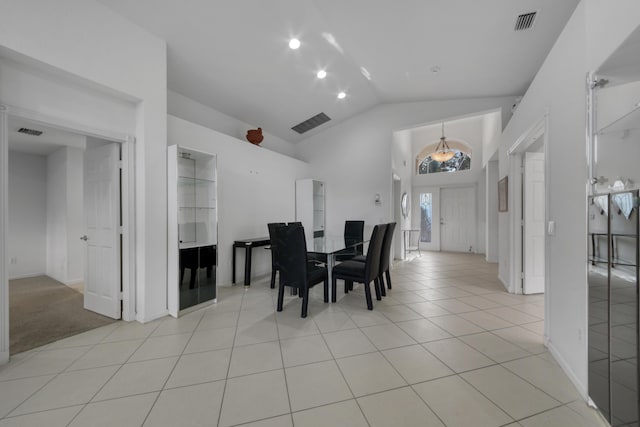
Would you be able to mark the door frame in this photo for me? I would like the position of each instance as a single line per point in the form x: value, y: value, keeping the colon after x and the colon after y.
x: 127, y: 194
x: 515, y: 155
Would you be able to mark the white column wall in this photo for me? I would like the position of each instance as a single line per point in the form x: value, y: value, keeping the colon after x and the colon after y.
x: 26, y: 241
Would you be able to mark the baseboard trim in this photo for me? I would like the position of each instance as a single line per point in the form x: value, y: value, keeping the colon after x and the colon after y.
x: 74, y: 282
x: 4, y: 357
x: 566, y: 367
x: 151, y: 318
x: 27, y: 276
x: 505, y: 284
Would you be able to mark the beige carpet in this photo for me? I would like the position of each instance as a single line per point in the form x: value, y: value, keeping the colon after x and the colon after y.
x: 43, y: 310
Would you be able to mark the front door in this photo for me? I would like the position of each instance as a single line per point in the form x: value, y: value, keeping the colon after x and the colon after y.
x: 533, y: 233
x: 458, y: 219
x: 102, y: 219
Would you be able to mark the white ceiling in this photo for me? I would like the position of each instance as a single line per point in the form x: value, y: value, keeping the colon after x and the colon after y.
x: 51, y: 139
x: 233, y: 55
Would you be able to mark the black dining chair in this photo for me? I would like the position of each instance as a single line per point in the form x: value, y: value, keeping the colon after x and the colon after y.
x: 353, y: 233
x: 362, y: 272
x: 274, y: 266
x: 385, y: 256
x: 295, y: 269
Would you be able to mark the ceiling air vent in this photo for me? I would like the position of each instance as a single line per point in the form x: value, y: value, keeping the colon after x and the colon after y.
x: 311, y: 123
x: 30, y: 131
x: 525, y: 21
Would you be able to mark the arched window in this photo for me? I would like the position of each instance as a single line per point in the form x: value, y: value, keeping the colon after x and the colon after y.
x: 460, y: 161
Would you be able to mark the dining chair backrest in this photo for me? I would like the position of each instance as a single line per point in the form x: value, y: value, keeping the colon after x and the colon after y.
x: 372, y: 266
x: 353, y: 233
x: 386, y: 247
x: 291, y: 254
x: 274, y: 249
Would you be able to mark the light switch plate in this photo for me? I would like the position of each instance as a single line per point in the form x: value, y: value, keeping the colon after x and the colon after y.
x: 551, y: 228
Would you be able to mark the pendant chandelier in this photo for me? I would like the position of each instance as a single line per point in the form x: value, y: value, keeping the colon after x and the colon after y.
x: 443, y: 152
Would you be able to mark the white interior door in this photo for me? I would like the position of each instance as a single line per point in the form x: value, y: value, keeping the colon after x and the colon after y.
x: 102, y: 218
x: 458, y: 219
x: 533, y: 211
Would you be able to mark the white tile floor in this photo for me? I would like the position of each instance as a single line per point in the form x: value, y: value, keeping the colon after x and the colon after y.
x: 447, y: 346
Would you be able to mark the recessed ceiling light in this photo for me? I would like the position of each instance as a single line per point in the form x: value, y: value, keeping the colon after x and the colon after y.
x: 294, y: 44
x: 435, y: 69
x: 321, y: 74
x: 342, y: 95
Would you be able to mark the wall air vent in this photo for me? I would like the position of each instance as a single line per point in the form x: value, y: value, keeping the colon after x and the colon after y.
x: 30, y: 131
x: 311, y: 123
x: 525, y: 21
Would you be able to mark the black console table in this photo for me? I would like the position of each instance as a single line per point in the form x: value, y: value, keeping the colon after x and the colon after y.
x: 248, y: 245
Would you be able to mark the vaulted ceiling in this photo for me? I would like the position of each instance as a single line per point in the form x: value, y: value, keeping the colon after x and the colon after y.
x: 233, y: 55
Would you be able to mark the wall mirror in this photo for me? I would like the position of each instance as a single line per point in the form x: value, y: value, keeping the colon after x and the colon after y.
x: 404, y: 204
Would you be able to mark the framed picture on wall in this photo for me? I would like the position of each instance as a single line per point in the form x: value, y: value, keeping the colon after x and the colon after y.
x: 503, y: 194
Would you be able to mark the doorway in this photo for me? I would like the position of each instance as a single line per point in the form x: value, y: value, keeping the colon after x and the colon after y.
x: 65, y: 264
x: 528, y: 211
x: 458, y: 219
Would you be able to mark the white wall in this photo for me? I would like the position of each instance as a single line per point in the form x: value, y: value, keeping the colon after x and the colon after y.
x: 85, y: 42
x: 402, y: 166
x: 57, y: 215
x: 353, y: 157
x: 481, y: 213
x: 255, y: 187
x: 27, y: 214
x: 65, y: 215
x: 491, y: 176
x: 186, y: 108
x: 559, y: 88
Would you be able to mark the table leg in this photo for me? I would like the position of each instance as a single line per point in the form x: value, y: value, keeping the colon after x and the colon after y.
x: 233, y: 274
x: 404, y: 238
x: 330, y: 263
x: 247, y: 266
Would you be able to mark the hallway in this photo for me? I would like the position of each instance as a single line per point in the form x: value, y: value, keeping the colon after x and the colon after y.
x: 447, y: 346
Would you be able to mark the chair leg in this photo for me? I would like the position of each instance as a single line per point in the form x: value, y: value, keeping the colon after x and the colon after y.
x: 280, y: 296
x: 346, y: 286
x: 388, y: 279
x: 382, y: 288
x: 376, y: 286
x: 367, y: 293
x: 305, y: 300
x: 326, y: 290
x: 333, y: 288
x: 273, y: 278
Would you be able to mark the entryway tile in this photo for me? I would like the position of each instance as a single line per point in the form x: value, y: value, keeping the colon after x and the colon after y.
x: 459, y: 404
x: 494, y: 347
x: 255, y: 358
x: 369, y: 373
x: 512, y: 394
x: 485, y: 320
x: 158, y: 347
x: 457, y: 355
x: 211, y: 339
x: 387, y: 336
x: 254, y: 397
x: 328, y: 385
x: 348, y: 343
x: 398, y: 408
x: 125, y: 412
x: 338, y: 414
x: 561, y: 416
x: 52, y: 418
x: 416, y: 364
x: 254, y: 333
x: 303, y: 350
x: 200, y: 368
x: 44, y: 363
x: 196, y: 405
x: 281, y: 421
x: 115, y: 353
x: 456, y: 325
x: 423, y: 330
x: 428, y: 309
x: 545, y: 375
x: 132, y: 331
x: 329, y: 321
x: 67, y: 389
x: 137, y: 378
x: 14, y: 392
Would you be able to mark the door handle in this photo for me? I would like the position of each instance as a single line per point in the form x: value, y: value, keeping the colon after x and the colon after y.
x: 85, y: 238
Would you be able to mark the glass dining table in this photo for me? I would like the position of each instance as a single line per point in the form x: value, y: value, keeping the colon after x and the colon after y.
x: 326, y: 248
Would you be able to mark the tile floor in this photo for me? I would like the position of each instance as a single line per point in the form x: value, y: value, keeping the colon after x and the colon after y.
x: 447, y: 346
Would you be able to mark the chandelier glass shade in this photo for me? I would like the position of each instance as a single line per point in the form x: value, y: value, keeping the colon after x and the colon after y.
x: 442, y: 152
